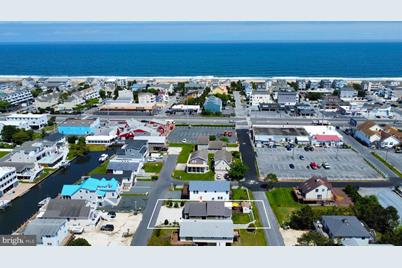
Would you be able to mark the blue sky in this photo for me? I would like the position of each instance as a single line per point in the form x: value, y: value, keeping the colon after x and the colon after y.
x: 200, y: 31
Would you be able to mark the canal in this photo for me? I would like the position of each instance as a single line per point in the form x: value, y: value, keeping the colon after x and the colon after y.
x: 24, y: 207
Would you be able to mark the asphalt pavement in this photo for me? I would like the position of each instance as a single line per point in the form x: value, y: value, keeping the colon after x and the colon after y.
x: 273, y: 235
x: 247, y: 154
x: 159, y: 191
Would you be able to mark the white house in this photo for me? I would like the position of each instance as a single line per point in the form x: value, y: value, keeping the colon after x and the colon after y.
x: 316, y: 189
x: 207, y: 232
x: 198, y: 162
x: 35, y: 121
x: 209, y: 190
x: 222, y: 161
x: 347, y: 94
x: 259, y: 97
x: 15, y: 97
x: 18, y: 124
x: 48, y: 232
x: 96, y: 192
x: 90, y: 93
x: 368, y: 132
x: 146, y: 98
x: 8, y: 179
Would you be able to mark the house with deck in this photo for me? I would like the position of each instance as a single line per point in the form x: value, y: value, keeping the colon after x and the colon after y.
x: 198, y: 162
x: 314, y: 190
x: 209, y: 190
x: 222, y: 161
x: 48, y: 232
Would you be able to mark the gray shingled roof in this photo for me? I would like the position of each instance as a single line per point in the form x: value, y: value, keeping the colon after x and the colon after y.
x: 209, y: 186
x: 202, y: 154
x: 344, y: 227
x: 223, y: 155
x: 44, y: 227
x: 66, y: 208
x: 206, y: 209
x: 125, y: 166
x: 202, y: 140
x: 206, y: 229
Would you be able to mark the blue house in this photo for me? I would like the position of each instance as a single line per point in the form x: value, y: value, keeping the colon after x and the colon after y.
x: 96, y: 192
x: 138, y: 87
x: 79, y: 127
x: 213, y: 104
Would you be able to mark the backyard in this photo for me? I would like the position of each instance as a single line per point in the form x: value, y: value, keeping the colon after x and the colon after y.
x: 160, y: 237
x: 101, y: 169
x: 184, y: 176
x: 153, y: 167
x: 186, y: 150
x: 3, y: 153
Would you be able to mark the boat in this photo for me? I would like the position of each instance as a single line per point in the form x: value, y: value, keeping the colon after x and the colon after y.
x: 4, y: 204
x: 103, y: 157
x: 64, y: 164
x: 43, y: 202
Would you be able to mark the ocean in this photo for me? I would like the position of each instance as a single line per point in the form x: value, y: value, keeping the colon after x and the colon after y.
x: 228, y: 59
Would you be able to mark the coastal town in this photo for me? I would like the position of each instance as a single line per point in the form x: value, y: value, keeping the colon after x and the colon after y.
x: 201, y: 161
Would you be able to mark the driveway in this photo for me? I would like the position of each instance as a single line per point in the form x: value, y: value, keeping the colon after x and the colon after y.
x: 159, y: 191
x: 273, y: 235
x: 247, y: 154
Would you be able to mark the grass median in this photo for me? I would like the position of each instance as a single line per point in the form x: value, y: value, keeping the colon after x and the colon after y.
x: 387, y: 164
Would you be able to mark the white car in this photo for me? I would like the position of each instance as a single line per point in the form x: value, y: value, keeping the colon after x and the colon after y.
x: 184, y: 140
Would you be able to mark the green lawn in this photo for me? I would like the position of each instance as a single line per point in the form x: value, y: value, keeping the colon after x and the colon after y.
x: 239, y: 194
x: 96, y: 147
x: 185, y: 151
x: 240, y: 218
x: 3, y: 153
x: 44, y: 173
x: 153, y: 167
x: 232, y: 145
x: 255, y: 238
x: 160, y: 238
x: 50, y: 128
x: 101, y: 169
x: 282, y: 203
x: 184, y: 176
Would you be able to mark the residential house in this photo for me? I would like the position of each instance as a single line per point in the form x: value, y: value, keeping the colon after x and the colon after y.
x: 287, y: 98
x: 368, y: 132
x: 186, y: 109
x: 330, y: 103
x: 78, y: 127
x: 345, y: 230
x: 138, y: 87
x: 206, y: 210
x: 214, y: 146
x: 213, y: 104
x: 16, y: 96
x: 209, y: 190
x: 155, y: 143
x: 24, y: 171
x: 202, y: 143
x: 35, y: 121
x: 390, y: 137
x: 48, y: 232
x: 316, y: 189
x: 222, y: 161
x: 76, y: 212
x: 305, y: 109
x: 90, y: 93
x: 198, y: 162
x: 207, y: 232
x: 98, y: 192
x: 260, y: 97
x: 130, y: 157
x: 47, y: 100
x: 146, y: 98
x: 347, y: 94
x: 8, y: 179
x: 57, y: 83
x: 18, y: 124
x: 220, y: 90
x: 301, y: 84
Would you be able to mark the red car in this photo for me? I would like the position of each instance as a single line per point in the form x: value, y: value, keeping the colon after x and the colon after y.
x: 313, y: 165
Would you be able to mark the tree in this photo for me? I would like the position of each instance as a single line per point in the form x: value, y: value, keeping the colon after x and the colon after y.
x: 271, y: 177
x: 78, y: 242
x: 4, y: 105
x: 237, y: 170
x: 72, y: 139
x: 7, y: 133
x: 43, y: 133
x: 116, y: 93
x: 36, y: 91
x: 212, y: 137
x: 102, y: 94
x: 336, y: 92
x: 21, y: 136
x: 313, y: 238
x: 313, y: 96
x: 302, y: 219
x: 393, y: 237
x: 52, y: 121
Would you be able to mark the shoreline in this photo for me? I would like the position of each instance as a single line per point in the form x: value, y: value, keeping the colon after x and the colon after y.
x: 200, y: 77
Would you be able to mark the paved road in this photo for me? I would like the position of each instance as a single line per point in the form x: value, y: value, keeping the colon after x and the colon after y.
x: 159, y: 191
x: 247, y: 154
x: 366, y: 153
x: 273, y: 234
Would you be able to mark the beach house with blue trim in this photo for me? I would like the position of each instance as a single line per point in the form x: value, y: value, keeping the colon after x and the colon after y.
x: 98, y: 192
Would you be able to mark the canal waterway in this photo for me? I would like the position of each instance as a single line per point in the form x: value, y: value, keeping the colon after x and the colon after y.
x: 24, y: 207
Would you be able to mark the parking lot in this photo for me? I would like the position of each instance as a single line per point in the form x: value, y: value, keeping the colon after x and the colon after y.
x: 394, y: 159
x: 344, y: 164
x: 190, y: 134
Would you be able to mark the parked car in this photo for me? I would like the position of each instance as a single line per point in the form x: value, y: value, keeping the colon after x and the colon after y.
x: 111, y: 214
x: 301, y: 157
x: 326, y: 165
x: 184, y: 140
x: 107, y: 228
x: 313, y: 165
x: 292, y: 166
x: 309, y: 148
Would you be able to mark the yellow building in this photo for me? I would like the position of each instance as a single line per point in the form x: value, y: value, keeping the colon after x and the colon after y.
x: 220, y: 90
